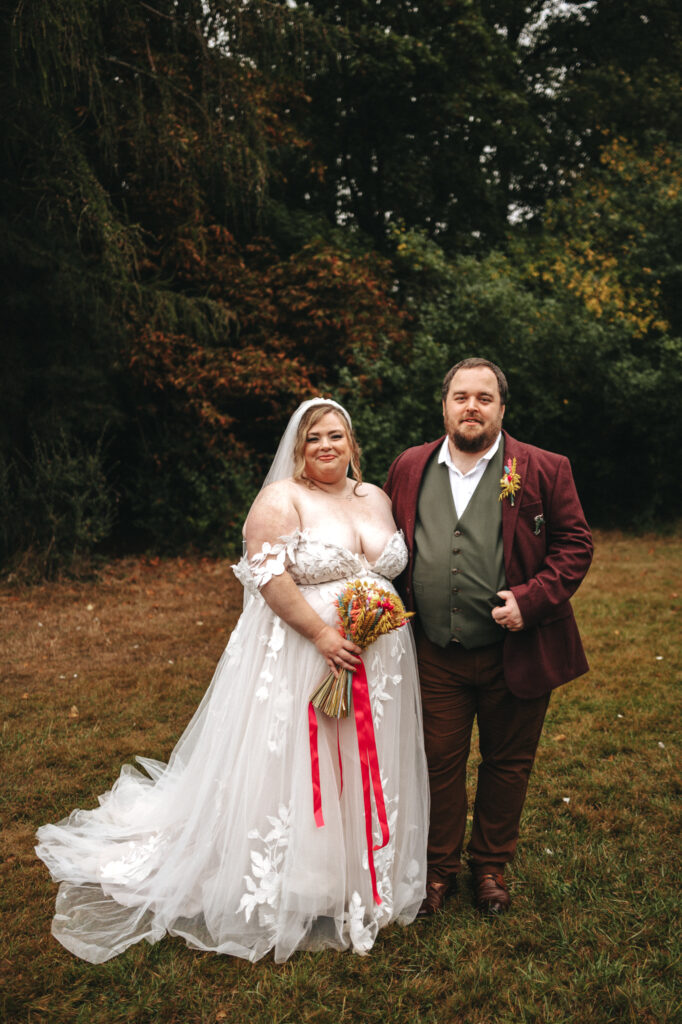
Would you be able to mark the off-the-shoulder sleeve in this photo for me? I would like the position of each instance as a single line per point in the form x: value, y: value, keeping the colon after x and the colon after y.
x: 271, y: 560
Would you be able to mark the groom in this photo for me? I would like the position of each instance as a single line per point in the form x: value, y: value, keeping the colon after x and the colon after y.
x: 498, y: 543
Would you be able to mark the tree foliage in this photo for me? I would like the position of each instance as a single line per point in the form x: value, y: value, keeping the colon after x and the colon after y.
x: 139, y: 298
x: 585, y: 320
x: 212, y: 210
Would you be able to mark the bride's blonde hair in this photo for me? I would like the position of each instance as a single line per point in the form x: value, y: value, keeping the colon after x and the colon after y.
x: 308, y: 420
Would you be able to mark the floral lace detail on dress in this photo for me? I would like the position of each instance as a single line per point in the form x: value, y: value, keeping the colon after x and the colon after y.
x: 393, y: 558
x: 270, y: 561
x: 135, y: 861
x: 312, y: 560
x: 383, y: 681
x: 264, y: 884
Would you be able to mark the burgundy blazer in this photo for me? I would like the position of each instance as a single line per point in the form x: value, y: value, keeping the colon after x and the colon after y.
x: 544, y: 560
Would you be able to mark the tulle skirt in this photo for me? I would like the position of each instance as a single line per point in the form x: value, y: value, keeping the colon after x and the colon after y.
x: 220, y: 845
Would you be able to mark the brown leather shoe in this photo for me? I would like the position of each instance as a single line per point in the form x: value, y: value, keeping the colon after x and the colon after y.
x: 491, y: 893
x: 436, y: 895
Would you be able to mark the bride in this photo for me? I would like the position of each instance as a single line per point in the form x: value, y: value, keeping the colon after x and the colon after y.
x: 223, y: 845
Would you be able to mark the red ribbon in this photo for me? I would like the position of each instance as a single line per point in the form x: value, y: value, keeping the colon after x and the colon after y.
x: 369, y: 768
x: 315, y: 766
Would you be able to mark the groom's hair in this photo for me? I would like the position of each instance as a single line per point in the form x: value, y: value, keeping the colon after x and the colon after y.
x: 471, y: 364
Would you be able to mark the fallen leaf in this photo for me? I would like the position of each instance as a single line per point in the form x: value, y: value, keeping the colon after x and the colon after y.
x: 24, y: 696
x: 560, y: 737
x: 73, y: 713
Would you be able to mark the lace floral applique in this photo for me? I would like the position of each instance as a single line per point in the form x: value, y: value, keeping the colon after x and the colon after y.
x: 235, y: 644
x: 281, y: 716
x: 313, y: 560
x: 274, y: 641
x: 271, y: 560
x: 361, y: 935
x: 384, y: 858
x: 397, y: 641
x: 264, y: 883
x: 363, y: 923
x: 393, y: 558
x: 380, y: 692
x: 283, y: 703
x: 135, y: 864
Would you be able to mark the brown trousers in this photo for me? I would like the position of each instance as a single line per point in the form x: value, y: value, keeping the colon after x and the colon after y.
x: 458, y: 686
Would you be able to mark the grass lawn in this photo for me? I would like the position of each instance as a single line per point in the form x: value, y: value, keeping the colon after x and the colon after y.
x: 95, y: 672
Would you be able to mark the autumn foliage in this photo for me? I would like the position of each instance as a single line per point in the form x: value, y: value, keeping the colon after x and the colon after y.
x: 213, y: 210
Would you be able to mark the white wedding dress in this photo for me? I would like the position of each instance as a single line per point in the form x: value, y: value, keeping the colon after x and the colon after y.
x: 220, y: 845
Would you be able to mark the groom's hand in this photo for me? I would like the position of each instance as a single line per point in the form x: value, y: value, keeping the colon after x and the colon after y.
x: 508, y: 615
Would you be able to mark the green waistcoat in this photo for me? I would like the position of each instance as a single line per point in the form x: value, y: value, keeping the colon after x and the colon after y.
x: 459, y: 563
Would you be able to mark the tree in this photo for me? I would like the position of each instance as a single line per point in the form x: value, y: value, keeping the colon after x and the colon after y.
x: 584, y: 318
x: 141, y: 302
x: 416, y: 116
x: 210, y: 210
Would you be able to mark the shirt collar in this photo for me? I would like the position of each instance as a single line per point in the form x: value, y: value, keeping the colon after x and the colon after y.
x: 444, y: 456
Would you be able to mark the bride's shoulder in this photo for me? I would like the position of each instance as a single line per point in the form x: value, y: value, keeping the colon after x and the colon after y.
x: 274, y: 509
x: 375, y: 494
x: 279, y: 491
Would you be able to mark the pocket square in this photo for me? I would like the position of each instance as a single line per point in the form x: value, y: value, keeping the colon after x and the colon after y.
x: 539, y: 523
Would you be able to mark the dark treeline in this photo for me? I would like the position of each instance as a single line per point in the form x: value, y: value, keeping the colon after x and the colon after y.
x: 211, y: 210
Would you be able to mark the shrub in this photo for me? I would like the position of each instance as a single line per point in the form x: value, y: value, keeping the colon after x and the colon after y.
x: 58, y: 503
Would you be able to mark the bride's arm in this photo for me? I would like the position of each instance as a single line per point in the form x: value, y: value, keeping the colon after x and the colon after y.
x: 273, y: 515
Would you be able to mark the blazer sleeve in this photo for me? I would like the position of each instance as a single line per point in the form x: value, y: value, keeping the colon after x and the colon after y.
x: 390, y: 479
x: 567, y: 557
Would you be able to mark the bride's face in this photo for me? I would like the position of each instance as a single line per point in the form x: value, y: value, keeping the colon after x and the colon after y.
x: 327, y: 449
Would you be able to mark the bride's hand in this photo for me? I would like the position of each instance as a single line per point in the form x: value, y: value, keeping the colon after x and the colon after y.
x: 336, y: 650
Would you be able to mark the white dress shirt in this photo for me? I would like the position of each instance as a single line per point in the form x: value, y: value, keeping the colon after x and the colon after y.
x: 463, y: 485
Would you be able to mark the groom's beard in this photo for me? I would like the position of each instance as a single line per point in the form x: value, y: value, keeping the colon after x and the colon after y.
x: 478, y: 441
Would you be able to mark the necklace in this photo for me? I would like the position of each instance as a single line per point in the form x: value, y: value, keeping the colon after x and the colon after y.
x: 314, y: 485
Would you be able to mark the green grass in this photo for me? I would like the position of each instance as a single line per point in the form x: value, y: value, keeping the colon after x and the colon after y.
x: 593, y: 933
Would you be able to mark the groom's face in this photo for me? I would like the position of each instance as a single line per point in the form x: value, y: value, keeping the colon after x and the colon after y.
x: 473, y: 411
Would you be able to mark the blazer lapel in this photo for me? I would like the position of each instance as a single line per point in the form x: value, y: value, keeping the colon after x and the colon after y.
x: 412, y: 486
x: 510, y: 513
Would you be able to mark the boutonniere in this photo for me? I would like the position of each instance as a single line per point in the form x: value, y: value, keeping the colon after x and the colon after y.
x: 510, y: 482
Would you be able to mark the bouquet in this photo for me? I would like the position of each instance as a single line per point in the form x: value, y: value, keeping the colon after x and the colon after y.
x: 365, y: 612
